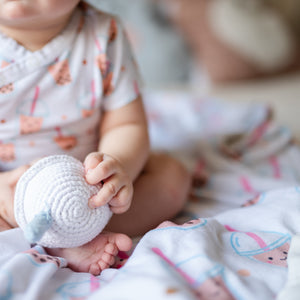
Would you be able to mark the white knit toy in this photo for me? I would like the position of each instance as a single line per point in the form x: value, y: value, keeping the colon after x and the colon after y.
x: 51, y: 204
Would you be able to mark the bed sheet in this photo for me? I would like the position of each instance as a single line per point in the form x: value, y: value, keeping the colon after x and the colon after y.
x: 232, y: 239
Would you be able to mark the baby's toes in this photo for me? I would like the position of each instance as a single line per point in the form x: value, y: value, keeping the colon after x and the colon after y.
x: 103, y: 265
x: 108, y: 258
x: 95, y: 269
x: 106, y: 261
x: 111, y: 249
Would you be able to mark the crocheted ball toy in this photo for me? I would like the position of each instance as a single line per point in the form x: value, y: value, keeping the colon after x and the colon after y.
x: 51, y: 204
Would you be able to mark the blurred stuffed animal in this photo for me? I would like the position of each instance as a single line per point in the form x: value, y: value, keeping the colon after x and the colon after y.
x: 236, y: 39
x: 290, y: 10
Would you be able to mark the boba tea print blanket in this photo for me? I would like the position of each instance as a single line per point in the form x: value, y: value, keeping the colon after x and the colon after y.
x: 231, y: 241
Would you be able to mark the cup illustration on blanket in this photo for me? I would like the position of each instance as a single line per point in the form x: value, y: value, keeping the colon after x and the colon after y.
x: 51, y: 204
x: 205, y: 276
x: 265, y: 246
x: 204, y: 272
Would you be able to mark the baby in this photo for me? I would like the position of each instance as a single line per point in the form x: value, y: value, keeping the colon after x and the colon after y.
x: 69, y: 84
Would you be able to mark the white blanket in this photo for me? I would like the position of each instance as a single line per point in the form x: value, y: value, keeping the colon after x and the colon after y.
x: 228, y: 251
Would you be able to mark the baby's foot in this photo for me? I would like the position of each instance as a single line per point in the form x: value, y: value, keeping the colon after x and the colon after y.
x: 95, y: 256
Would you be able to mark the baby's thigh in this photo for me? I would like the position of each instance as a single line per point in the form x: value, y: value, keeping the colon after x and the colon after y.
x: 4, y: 225
x: 170, y: 175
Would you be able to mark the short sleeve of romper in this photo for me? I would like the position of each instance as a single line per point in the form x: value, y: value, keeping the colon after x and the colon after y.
x: 120, y: 76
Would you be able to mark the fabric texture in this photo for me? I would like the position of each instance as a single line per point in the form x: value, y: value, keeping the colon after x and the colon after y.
x: 51, y: 204
x: 291, y: 291
x: 52, y: 99
x: 236, y: 228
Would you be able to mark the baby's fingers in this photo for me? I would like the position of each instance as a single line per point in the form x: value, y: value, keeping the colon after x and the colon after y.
x: 122, y: 201
x: 102, y: 171
x: 92, y: 160
x: 109, y: 189
x: 117, y: 196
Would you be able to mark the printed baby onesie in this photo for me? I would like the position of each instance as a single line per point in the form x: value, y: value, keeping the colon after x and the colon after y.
x: 51, y: 99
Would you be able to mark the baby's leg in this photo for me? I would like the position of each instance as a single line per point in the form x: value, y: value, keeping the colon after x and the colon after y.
x: 159, y: 194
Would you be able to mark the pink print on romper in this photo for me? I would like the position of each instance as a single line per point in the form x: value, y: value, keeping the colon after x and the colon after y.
x: 104, y: 65
x: 7, y: 152
x: 85, y: 112
x: 5, y: 89
x: 31, y: 123
x: 66, y: 142
x: 61, y: 72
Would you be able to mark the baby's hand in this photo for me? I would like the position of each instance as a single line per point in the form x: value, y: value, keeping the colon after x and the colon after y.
x: 8, y: 181
x: 117, y: 187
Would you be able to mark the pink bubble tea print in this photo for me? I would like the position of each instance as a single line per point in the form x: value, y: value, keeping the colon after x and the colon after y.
x: 61, y: 72
x: 87, y: 112
x: 101, y: 59
x: 30, y: 123
x: 7, y: 152
x: 102, y: 63
x: 113, y: 30
x: 65, y: 142
x: 8, y: 88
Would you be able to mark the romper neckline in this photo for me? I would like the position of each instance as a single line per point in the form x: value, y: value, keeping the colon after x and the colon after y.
x: 13, y: 50
x: 21, y: 60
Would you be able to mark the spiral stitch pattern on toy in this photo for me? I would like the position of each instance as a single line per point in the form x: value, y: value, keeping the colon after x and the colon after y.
x: 56, y: 185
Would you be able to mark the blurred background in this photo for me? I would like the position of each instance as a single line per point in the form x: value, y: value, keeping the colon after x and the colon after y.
x: 239, y: 50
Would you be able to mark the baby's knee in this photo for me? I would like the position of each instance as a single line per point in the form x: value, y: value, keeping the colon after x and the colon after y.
x: 179, y: 182
x: 7, y: 213
x: 175, y: 180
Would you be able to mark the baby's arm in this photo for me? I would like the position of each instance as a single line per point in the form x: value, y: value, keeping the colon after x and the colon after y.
x: 123, y: 151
